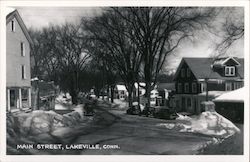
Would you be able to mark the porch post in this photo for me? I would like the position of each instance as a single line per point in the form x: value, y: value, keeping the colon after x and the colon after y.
x: 8, y: 99
x: 20, y: 98
x: 29, y: 93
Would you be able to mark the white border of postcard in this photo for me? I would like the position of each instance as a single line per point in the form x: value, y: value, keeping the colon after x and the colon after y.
x: 121, y: 158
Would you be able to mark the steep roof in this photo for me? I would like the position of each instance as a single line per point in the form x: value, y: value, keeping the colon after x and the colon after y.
x: 11, y: 15
x: 202, y: 68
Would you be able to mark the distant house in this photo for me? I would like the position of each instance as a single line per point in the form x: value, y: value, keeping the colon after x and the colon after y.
x: 231, y: 105
x: 200, y: 79
x: 121, y: 92
x: 18, y: 42
x: 141, y: 90
x: 166, y: 91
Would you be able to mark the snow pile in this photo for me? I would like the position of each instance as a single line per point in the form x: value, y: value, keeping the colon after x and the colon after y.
x: 208, y: 123
x: 39, y: 121
x: 63, y: 98
x: 119, y: 104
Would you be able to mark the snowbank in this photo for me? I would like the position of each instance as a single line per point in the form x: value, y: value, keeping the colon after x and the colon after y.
x: 208, y: 123
x: 39, y: 121
x: 64, y: 98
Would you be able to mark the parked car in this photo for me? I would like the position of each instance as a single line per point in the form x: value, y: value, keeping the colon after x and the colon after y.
x: 161, y: 112
x: 89, y: 109
x: 150, y: 111
x: 134, y: 110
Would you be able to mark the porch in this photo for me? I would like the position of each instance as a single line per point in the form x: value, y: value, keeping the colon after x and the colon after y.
x: 18, y: 98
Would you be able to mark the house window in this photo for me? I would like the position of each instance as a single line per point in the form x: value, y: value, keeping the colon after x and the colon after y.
x: 203, y: 87
x: 179, y: 88
x: 228, y: 86
x: 182, y: 73
x: 22, y: 49
x: 188, y: 73
x: 194, y: 87
x: 23, y: 72
x: 12, y: 25
x: 230, y: 71
x: 186, y: 88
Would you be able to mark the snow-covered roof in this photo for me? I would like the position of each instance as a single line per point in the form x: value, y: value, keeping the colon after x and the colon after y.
x: 34, y: 79
x: 121, y: 87
x: 141, y: 84
x: 232, y: 96
x: 212, y: 93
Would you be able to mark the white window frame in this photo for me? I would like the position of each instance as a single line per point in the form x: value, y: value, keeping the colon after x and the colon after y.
x: 22, y: 44
x: 186, y: 87
x: 23, y: 72
x: 13, y: 26
x: 194, y: 87
x: 179, y: 87
x: 231, y: 71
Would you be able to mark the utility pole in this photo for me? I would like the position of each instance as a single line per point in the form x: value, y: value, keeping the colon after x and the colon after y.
x: 206, y: 81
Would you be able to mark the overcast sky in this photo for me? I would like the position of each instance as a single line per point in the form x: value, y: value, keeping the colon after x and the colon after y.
x: 200, y: 46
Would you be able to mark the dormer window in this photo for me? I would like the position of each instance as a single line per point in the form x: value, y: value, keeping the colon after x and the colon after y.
x: 229, y: 71
x: 12, y: 25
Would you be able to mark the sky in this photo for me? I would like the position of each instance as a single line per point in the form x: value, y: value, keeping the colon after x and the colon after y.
x: 202, y: 45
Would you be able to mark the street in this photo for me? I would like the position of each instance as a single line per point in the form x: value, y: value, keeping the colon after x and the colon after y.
x: 141, y: 135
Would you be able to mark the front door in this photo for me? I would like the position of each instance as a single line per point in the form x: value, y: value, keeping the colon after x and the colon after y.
x: 183, y: 104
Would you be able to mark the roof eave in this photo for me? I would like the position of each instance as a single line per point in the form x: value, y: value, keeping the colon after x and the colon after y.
x: 21, y: 23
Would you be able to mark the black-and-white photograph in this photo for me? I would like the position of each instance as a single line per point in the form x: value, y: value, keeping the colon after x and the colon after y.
x: 135, y: 80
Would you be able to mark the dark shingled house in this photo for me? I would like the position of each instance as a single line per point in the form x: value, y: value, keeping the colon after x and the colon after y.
x: 201, y: 79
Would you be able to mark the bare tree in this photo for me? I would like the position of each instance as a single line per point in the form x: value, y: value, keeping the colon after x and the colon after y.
x: 117, y: 37
x: 231, y: 30
x: 158, y: 31
x: 72, y: 57
x: 60, y: 52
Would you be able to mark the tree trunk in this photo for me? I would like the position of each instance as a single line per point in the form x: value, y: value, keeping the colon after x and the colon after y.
x: 108, y: 92
x: 74, y: 97
x: 147, y: 94
x: 130, y: 96
x: 112, y: 94
x: 130, y: 102
x: 138, y: 97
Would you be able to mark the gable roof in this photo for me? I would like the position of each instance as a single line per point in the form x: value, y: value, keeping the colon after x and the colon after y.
x: 202, y: 68
x: 15, y: 14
